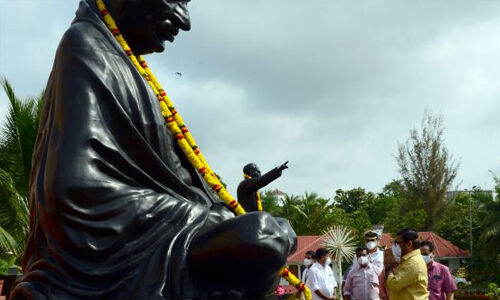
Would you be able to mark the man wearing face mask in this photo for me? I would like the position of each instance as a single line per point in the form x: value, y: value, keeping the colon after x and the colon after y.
x: 320, y: 280
x: 441, y: 283
x: 362, y: 282
x: 375, y: 255
x: 308, y: 262
x: 409, y: 280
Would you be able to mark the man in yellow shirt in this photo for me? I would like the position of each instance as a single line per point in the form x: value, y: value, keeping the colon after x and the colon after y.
x: 409, y: 280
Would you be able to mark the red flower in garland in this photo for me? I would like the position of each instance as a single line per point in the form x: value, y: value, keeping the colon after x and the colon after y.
x: 285, y: 273
x: 301, y: 287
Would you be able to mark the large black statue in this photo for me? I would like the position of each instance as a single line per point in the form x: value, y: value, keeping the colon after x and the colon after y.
x: 248, y: 189
x: 117, y: 211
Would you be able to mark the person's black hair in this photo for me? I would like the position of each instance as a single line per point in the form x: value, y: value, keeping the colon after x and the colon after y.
x: 320, y: 252
x: 428, y: 244
x: 361, y: 248
x: 410, y: 234
x: 310, y: 252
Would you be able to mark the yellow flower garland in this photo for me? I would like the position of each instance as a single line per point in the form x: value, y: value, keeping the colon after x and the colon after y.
x: 172, y: 118
x: 285, y: 273
x: 184, y: 138
x: 257, y: 194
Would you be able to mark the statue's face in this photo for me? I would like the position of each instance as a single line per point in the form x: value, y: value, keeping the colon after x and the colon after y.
x: 252, y: 170
x: 147, y: 24
x: 255, y: 172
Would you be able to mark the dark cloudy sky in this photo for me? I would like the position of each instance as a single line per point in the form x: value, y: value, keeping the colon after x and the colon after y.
x: 330, y: 85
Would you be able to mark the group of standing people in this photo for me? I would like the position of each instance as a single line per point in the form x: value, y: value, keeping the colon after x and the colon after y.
x: 405, y: 271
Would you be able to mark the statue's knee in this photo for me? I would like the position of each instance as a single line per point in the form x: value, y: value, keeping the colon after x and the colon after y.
x: 269, y: 233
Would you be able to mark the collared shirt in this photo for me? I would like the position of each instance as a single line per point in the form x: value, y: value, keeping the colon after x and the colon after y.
x: 440, y: 281
x: 322, y: 279
x: 376, y: 259
x: 362, y: 284
x: 409, y: 280
x: 305, y: 274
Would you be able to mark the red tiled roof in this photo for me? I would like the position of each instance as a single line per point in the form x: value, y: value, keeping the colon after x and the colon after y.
x: 442, y: 247
x: 304, y: 244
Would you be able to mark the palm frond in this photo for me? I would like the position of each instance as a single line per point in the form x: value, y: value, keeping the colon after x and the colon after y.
x: 8, y: 243
x: 18, y: 136
x: 14, y: 215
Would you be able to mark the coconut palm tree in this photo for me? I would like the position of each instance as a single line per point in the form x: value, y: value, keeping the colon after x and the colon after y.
x: 13, y: 217
x: 340, y: 241
x: 18, y: 135
x: 490, y: 231
x: 17, y: 140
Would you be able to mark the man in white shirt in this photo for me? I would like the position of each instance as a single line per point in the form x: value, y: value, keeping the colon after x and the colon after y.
x: 362, y: 282
x: 320, y: 279
x: 308, y: 262
x: 375, y: 255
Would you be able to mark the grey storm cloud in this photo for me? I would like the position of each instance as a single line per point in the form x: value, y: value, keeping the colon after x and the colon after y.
x: 332, y: 86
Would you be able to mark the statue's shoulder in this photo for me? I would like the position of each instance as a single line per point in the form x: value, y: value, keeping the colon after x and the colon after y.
x: 84, y: 36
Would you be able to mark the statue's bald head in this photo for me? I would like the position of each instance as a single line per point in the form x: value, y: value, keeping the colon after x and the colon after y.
x: 147, y: 24
x: 251, y: 170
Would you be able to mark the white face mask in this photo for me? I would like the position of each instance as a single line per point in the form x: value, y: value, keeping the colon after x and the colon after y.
x: 371, y: 245
x: 396, y: 252
x: 363, y: 260
x: 307, y: 261
x: 427, y: 258
x: 328, y: 261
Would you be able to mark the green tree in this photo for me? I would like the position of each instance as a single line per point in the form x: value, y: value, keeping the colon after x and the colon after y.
x: 354, y: 199
x: 379, y: 209
x: 490, y: 224
x: 455, y: 224
x: 427, y: 170
x: 312, y: 214
x: 270, y: 202
x: 478, y: 211
x: 17, y: 140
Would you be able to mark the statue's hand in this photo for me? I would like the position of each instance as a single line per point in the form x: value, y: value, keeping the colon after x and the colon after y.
x: 218, y: 214
x: 283, y: 166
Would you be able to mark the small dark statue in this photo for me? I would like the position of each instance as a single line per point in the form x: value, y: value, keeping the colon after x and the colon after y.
x: 117, y: 211
x: 249, y: 188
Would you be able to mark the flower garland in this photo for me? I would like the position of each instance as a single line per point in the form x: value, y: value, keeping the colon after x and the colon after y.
x: 182, y: 135
x: 172, y: 118
x: 257, y: 195
x: 299, y: 285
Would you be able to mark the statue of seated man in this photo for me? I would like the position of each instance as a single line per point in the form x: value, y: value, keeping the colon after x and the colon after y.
x: 117, y: 211
x: 248, y: 189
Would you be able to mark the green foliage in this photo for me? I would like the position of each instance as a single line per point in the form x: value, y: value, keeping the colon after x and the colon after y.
x: 427, y: 171
x: 13, y: 217
x: 455, y: 224
x: 490, y: 224
x: 380, y: 207
x: 17, y: 140
x: 353, y: 200
x: 480, y: 210
x: 269, y: 202
x: 18, y: 136
x: 312, y: 215
x: 7, y: 263
x: 493, y: 291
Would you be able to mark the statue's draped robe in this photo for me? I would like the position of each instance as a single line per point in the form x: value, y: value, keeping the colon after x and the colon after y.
x: 114, y: 204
